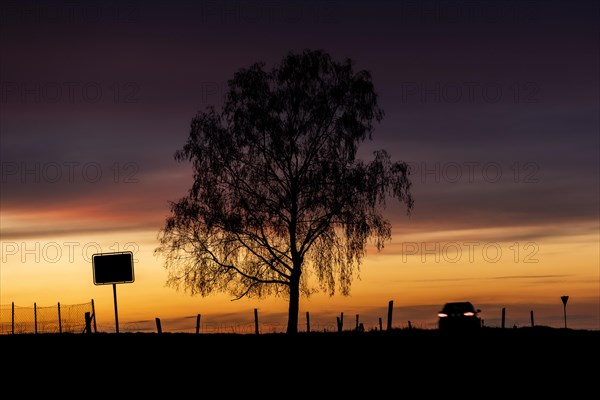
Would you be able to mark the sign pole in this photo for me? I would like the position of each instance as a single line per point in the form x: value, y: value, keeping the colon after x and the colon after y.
x: 116, y: 312
x: 564, y: 301
x: 113, y: 268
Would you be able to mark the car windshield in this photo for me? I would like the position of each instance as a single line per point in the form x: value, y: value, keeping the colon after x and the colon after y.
x: 458, y: 308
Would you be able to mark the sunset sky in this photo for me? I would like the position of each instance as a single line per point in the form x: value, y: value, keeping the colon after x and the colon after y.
x: 495, y: 105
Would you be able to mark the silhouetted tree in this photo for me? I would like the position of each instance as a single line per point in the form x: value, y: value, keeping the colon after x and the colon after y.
x: 278, y: 196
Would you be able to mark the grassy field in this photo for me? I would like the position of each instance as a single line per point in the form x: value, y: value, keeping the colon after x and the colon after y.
x: 528, y: 360
x: 393, y: 342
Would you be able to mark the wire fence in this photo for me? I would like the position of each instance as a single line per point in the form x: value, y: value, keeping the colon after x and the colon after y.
x: 50, y: 319
x: 270, y: 323
x: 180, y: 326
x: 71, y: 318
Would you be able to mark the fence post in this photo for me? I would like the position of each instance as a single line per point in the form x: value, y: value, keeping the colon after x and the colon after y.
x: 340, y: 322
x: 256, y: 321
x: 503, y: 316
x: 389, y: 317
x: 198, y: 324
x: 34, y: 318
x: 307, y: 322
x: 94, y: 316
x: 158, y: 327
x: 380, y: 324
x: 59, y: 320
x: 12, y: 318
x: 88, y: 323
x: 531, y: 315
x: 357, y: 322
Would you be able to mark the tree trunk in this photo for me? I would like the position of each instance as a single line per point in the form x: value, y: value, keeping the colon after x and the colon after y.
x: 294, y: 303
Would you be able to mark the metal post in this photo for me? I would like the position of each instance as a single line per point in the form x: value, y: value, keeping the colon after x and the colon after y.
x: 34, y: 318
x: 158, y: 326
x: 307, y: 322
x: 59, y: 320
x: 389, y: 317
x: 564, y: 301
x: 94, y: 315
x: 116, y: 312
x: 198, y: 324
x: 503, y: 316
x: 256, y: 321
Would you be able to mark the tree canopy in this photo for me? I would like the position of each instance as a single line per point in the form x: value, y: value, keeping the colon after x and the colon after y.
x: 279, y: 204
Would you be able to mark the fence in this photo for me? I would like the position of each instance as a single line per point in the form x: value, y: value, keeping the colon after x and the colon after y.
x: 52, y: 319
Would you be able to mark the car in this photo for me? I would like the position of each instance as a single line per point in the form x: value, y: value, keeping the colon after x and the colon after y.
x: 458, y: 316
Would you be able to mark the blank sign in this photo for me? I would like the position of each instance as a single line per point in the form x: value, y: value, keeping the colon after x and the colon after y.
x: 113, y: 268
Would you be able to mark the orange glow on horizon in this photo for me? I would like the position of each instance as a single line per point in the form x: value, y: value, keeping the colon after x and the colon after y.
x: 34, y: 271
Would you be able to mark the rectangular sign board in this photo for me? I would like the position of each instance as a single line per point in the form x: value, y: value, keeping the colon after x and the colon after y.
x: 113, y: 268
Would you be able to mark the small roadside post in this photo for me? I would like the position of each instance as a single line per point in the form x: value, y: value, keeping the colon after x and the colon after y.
x: 564, y: 301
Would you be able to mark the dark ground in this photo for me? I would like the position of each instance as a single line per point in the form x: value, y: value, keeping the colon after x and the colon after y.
x: 489, y: 363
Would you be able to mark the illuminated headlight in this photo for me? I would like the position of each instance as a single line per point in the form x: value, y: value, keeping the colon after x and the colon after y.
x: 469, y: 314
x: 442, y: 315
